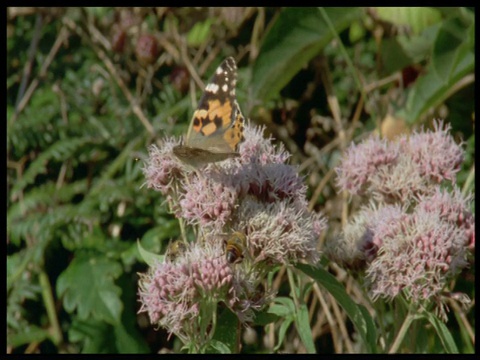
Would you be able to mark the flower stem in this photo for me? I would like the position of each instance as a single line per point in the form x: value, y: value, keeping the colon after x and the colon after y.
x: 293, y: 287
x: 50, y: 307
x: 402, y: 332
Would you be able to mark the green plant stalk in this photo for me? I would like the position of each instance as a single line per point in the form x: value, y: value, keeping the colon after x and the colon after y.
x: 402, y: 332
x: 56, y: 332
x: 206, y: 319
x: 293, y: 287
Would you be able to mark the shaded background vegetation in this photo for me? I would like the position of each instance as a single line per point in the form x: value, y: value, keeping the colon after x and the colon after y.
x: 88, y: 89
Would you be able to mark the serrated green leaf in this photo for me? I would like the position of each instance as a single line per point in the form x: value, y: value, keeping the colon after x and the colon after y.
x: 296, y: 37
x: 29, y: 335
x: 60, y: 150
x: 354, y: 312
x: 87, y: 286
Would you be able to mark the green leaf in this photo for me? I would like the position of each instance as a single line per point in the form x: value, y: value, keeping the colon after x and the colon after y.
x: 371, y: 328
x: 451, y: 47
x: 156, y: 236
x: 443, y: 333
x: 88, y: 287
x: 285, y: 308
x: 218, y: 347
x: 401, y: 51
x: 150, y: 258
x: 296, y: 37
x: 416, y: 18
x: 29, y: 335
x: 128, y: 340
x: 303, y: 326
x: 99, y: 337
x: 282, y: 306
x: 282, y: 331
x: 96, y: 336
x: 199, y: 33
x: 226, y: 337
x: 359, y: 317
x: 61, y: 150
x: 453, y: 58
x: 263, y: 318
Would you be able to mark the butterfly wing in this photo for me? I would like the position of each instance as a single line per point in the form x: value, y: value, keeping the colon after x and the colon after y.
x: 217, y: 124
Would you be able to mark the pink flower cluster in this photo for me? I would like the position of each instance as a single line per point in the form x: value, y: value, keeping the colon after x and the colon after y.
x: 398, y: 171
x: 414, y: 235
x: 256, y: 194
x: 171, y: 292
x: 421, y: 250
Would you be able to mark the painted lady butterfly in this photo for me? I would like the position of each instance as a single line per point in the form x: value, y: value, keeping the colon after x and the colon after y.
x: 217, y: 125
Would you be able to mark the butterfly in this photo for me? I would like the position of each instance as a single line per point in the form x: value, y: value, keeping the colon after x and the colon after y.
x: 217, y: 124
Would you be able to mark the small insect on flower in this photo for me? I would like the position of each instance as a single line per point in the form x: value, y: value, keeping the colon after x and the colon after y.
x: 235, y: 247
x: 175, y: 249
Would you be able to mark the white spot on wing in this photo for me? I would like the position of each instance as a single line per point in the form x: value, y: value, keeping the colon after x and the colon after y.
x: 213, y: 88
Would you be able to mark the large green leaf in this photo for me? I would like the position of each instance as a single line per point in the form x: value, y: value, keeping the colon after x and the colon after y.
x: 296, y: 37
x: 87, y: 286
x: 226, y: 337
x: 416, y: 18
x: 453, y: 58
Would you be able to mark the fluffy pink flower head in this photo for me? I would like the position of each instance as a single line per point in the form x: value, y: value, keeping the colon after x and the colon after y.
x: 398, y: 183
x: 362, y: 160
x: 257, y: 149
x: 359, y: 243
x: 209, y: 200
x: 270, y: 182
x: 419, y: 254
x: 398, y: 172
x: 173, y: 292
x: 452, y: 207
x: 280, y: 233
x: 435, y: 153
x: 162, y: 167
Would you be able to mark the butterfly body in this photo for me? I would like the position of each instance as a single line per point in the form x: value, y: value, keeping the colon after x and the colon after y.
x: 217, y: 125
